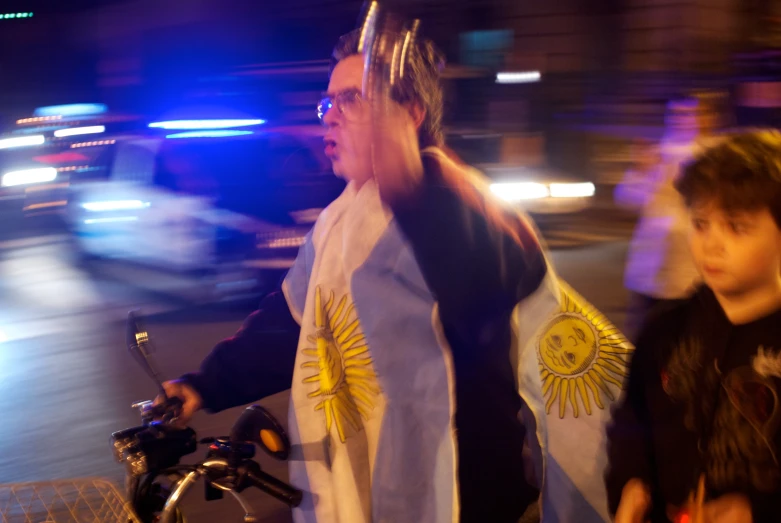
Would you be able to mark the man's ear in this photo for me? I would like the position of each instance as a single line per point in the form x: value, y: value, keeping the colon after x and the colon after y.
x: 417, y: 113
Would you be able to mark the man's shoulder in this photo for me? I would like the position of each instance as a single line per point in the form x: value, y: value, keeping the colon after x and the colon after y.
x: 472, y: 188
x: 452, y: 170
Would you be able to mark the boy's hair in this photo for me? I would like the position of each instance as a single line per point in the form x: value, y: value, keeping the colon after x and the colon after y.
x: 422, y: 85
x: 740, y: 172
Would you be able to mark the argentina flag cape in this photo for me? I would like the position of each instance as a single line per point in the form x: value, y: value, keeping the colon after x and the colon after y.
x: 373, y: 393
x: 572, y: 364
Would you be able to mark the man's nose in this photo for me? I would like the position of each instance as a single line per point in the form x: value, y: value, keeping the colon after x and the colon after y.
x: 331, y: 117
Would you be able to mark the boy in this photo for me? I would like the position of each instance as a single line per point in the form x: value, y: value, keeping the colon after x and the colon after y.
x: 702, y: 397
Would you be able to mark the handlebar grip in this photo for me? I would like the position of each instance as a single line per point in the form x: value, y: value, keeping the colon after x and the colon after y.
x: 282, y: 491
x: 170, y: 408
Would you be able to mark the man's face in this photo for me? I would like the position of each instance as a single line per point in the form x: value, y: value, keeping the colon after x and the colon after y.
x: 736, y: 252
x: 348, y: 139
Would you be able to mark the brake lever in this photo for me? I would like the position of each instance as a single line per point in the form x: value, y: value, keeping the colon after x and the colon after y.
x: 249, y: 516
x: 166, y: 412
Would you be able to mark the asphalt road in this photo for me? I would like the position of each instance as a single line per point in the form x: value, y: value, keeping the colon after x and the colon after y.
x: 66, y: 381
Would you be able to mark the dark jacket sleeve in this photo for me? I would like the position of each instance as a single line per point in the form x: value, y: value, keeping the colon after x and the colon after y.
x: 765, y: 508
x: 630, y: 432
x: 479, y: 258
x: 628, y: 435
x: 257, y: 362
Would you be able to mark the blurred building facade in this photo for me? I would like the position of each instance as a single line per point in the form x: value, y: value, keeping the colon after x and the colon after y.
x: 606, y: 67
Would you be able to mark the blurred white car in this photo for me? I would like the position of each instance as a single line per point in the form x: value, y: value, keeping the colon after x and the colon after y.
x: 204, y: 215
x: 539, y: 190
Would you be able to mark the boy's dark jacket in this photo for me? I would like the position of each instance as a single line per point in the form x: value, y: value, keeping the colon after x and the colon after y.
x: 702, y: 398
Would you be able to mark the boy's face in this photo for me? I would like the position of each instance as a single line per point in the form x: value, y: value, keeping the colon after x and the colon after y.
x: 736, y: 252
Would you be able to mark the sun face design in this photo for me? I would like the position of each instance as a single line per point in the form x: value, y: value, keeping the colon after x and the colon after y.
x: 581, y: 357
x: 345, y: 379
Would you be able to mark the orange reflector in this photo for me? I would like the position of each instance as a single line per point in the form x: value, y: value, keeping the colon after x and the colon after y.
x: 271, y: 440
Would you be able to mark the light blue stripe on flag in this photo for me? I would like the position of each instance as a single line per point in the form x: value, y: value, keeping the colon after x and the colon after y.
x: 414, y: 470
x: 305, y: 512
x: 565, y: 503
x: 296, y: 281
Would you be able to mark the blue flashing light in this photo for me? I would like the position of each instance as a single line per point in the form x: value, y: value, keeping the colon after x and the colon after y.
x: 209, y: 133
x: 71, y: 110
x: 205, y: 124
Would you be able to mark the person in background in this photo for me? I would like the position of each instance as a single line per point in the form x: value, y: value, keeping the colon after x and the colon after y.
x: 659, y: 265
x: 702, y: 399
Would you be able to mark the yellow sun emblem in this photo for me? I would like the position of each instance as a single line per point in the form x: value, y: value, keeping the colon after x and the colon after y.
x: 581, y: 356
x: 345, y: 377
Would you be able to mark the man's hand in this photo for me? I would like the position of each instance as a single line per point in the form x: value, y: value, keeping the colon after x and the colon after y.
x: 635, y: 503
x: 398, y: 168
x: 191, y: 400
x: 729, y: 508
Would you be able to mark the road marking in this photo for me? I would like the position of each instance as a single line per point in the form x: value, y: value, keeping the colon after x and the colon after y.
x: 47, y: 325
x: 36, y: 241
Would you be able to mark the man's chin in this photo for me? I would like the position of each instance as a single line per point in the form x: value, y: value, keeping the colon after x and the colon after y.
x: 349, y: 173
x: 340, y: 172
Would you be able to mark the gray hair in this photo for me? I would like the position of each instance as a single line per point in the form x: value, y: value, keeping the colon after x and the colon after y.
x: 422, y: 85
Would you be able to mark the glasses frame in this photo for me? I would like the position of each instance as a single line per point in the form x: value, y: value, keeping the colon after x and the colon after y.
x: 341, y: 100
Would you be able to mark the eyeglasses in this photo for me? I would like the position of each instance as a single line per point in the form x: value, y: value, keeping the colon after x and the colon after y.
x: 347, y: 102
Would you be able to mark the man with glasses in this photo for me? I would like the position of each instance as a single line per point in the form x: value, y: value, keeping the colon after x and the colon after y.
x: 393, y: 326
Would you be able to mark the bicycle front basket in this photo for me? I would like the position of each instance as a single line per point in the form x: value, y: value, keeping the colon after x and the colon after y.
x: 90, y: 500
